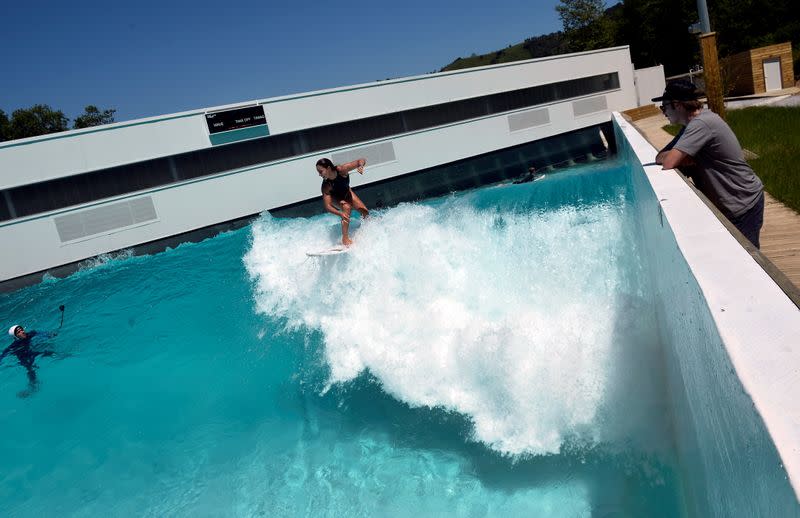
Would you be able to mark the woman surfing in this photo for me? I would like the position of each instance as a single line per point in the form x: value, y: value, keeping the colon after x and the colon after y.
x: 337, y: 196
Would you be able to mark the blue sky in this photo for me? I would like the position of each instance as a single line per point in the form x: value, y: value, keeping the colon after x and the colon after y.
x: 149, y: 58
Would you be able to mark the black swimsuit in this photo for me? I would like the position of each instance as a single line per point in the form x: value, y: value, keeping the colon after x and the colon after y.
x: 339, y: 188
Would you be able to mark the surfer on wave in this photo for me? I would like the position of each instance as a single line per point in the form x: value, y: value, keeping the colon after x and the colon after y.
x: 337, y: 196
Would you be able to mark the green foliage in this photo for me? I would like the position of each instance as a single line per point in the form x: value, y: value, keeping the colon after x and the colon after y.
x: 39, y: 119
x: 92, y: 116
x: 657, y: 31
x: 796, y: 61
x: 745, y: 24
x: 546, y: 45
x: 585, y: 24
x: 537, y: 47
x: 5, y: 127
x: 773, y: 133
x: 579, y: 14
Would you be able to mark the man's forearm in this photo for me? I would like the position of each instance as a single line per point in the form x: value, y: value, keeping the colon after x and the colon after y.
x: 673, y: 158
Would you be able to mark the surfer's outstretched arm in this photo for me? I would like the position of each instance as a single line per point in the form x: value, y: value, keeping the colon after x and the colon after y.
x: 349, y: 166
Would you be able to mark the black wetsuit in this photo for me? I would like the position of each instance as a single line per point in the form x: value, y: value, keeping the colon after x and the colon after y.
x: 338, y: 188
x: 21, y: 348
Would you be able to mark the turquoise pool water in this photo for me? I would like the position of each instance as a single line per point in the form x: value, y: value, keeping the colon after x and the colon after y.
x: 489, y: 353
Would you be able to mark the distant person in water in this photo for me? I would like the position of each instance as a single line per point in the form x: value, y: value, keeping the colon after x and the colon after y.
x: 530, y: 176
x: 25, y: 348
x: 337, y: 196
x: 26, y: 354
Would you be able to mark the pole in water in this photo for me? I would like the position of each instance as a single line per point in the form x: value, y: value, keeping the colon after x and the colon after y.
x: 61, y: 308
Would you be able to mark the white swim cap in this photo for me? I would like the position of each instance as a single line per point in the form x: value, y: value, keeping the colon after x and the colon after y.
x: 12, y: 329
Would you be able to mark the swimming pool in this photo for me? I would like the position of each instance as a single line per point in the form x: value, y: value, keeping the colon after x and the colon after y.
x: 491, y: 352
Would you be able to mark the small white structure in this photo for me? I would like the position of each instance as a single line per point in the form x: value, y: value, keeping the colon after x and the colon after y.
x: 650, y: 83
x: 772, y: 74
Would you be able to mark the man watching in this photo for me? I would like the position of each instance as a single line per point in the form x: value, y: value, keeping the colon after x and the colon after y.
x: 710, y: 154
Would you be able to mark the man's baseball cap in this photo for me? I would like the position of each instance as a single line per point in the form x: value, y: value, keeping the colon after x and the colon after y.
x: 679, y: 90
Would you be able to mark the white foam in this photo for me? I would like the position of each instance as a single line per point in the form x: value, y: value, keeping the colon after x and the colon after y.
x: 508, y: 318
x: 102, y: 260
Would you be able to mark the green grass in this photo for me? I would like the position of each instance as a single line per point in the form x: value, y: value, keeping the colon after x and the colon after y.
x: 772, y: 133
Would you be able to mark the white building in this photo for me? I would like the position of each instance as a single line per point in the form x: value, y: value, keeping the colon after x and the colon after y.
x: 149, y: 183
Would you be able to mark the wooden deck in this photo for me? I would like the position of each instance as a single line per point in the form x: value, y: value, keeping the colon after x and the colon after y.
x: 780, y: 238
x: 780, y: 235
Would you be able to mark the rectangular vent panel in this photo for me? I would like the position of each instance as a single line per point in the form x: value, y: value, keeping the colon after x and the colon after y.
x: 528, y: 119
x: 105, y: 219
x: 591, y: 105
x: 374, y: 154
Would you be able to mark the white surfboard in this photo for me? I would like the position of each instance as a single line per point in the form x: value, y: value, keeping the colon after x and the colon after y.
x: 334, y: 250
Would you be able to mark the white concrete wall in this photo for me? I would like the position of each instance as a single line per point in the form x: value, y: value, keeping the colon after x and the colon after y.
x: 650, y: 83
x: 210, y: 200
x: 235, y: 194
x: 331, y: 106
x: 732, y: 347
x: 51, y: 156
x: 43, y: 158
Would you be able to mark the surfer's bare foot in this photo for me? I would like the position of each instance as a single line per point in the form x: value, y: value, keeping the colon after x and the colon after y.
x: 346, y: 241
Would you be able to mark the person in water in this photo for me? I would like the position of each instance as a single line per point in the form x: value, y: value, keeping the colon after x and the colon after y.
x: 337, y: 196
x: 530, y: 176
x: 26, y: 354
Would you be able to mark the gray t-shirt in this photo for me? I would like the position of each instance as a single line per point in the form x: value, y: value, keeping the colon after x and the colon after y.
x: 722, y: 173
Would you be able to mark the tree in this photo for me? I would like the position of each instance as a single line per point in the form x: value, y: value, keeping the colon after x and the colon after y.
x: 546, y: 45
x: 657, y: 32
x: 747, y: 24
x: 92, y: 116
x: 585, y: 24
x: 577, y: 14
x: 39, y: 119
x: 5, y: 127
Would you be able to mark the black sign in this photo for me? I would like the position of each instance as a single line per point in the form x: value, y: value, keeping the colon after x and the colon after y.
x: 235, y: 119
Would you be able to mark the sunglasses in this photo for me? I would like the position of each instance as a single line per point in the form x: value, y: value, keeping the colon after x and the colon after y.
x: 664, y: 107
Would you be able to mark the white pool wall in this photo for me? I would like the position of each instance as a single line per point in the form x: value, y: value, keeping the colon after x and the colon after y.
x: 732, y: 348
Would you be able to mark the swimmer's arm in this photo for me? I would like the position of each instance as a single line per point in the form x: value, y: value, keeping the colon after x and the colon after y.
x: 349, y: 166
x: 5, y: 352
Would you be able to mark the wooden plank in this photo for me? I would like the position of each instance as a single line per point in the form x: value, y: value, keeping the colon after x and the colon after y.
x: 779, y: 254
x: 642, y: 112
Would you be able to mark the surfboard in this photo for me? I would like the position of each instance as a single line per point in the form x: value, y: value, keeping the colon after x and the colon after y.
x: 334, y: 250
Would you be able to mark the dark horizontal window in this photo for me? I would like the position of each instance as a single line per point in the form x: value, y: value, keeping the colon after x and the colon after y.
x: 97, y: 185
x: 4, y: 209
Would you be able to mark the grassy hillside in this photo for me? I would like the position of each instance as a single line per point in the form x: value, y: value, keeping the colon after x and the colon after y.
x: 540, y: 46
